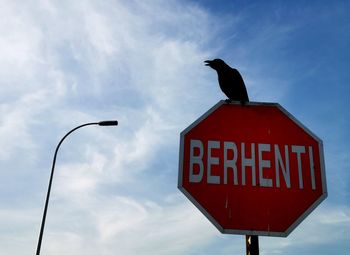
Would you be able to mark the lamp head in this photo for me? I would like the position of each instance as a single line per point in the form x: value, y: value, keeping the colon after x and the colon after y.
x: 108, y: 123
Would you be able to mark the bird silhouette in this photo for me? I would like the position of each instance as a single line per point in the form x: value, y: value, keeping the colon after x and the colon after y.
x: 230, y: 81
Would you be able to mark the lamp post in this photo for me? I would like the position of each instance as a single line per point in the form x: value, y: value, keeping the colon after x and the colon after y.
x: 101, y: 123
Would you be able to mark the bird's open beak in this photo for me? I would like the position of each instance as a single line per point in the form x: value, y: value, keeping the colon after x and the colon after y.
x: 208, y: 62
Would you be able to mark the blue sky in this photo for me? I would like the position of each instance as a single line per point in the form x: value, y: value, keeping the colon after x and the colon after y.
x: 64, y: 63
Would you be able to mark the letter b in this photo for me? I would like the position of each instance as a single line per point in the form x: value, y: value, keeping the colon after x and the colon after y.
x: 196, y: 160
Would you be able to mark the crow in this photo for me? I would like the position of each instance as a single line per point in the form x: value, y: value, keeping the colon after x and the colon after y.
x: 230, y: 81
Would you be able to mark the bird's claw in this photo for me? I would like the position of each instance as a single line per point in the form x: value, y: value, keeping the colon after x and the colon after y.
x: 229, y: 101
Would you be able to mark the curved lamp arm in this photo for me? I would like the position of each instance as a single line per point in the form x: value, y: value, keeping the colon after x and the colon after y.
x: 101, y: 123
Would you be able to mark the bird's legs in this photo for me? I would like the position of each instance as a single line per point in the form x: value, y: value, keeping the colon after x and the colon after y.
x: 242, y: 102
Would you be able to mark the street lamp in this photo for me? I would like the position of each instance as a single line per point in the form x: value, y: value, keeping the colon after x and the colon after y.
x: 101, y: 123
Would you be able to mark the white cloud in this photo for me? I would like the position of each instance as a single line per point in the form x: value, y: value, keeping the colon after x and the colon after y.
x: 326, y: 225
x: 17, y: 233
x: 67, y: 63
x: 128, y: 225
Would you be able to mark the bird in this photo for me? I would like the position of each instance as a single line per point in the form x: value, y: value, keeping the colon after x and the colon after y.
x: 230, y: 81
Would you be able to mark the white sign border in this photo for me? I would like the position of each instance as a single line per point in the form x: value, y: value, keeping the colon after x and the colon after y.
x: 250, y: 232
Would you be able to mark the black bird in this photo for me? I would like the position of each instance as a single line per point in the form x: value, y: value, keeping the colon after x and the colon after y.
x: 230, y: 80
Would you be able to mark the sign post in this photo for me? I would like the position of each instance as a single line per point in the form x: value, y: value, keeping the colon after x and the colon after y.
x: 252, y: 169
x: 252, y: 245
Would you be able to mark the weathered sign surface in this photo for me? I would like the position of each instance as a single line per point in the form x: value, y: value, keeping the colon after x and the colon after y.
x: 252, y: 169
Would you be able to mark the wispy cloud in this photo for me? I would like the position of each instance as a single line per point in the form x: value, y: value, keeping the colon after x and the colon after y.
x: 326, y: 225
x: 65, y: 63
x: 69, y: 63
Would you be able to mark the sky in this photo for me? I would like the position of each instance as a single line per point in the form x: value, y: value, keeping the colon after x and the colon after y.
x: 66, y: 63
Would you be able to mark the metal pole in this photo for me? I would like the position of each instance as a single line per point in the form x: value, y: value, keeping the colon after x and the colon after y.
x: 102, y: 123
x: 252, y: 245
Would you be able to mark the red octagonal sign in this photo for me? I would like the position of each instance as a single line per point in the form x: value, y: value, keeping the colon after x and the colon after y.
x: 252, y: 169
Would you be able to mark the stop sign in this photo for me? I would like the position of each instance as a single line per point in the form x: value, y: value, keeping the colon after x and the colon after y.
x: 252, y: 169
